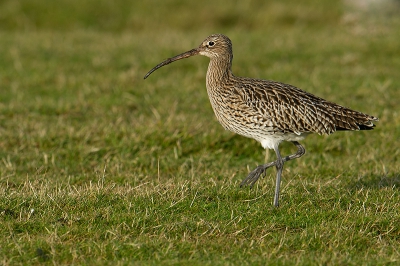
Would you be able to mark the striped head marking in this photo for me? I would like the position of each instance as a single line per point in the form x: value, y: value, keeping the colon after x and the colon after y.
x: 216, y: 45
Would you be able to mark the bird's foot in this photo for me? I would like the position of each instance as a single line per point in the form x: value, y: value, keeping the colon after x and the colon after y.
x: 255, y: 174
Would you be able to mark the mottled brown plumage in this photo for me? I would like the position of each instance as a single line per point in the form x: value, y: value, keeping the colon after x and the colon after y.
x: 267, y: 111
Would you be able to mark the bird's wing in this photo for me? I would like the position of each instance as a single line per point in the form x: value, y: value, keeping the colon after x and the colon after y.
x: 290, y: 109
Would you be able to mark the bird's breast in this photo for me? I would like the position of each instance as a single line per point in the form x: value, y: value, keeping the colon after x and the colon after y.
x: 233, y: 114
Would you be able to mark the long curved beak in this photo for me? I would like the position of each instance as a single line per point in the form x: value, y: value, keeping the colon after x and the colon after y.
x: 172, y: 59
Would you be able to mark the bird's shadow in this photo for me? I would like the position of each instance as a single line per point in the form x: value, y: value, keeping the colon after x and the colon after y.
x: 375, y: 181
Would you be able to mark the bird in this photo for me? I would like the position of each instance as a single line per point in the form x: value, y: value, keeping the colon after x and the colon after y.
x: 268, y: 111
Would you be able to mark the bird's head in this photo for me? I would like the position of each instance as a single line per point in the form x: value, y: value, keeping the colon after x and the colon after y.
x: 214, y: 46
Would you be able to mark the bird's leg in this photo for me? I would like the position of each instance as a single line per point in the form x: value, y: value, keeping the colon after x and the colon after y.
x: 300, y: 152
x: 279, y: 168
x: 256, y: 173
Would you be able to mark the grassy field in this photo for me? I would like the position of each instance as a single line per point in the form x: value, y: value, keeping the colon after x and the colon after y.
x: 101, y: 167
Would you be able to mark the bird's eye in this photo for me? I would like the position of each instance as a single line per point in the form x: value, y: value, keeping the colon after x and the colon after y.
x: 210, y: 44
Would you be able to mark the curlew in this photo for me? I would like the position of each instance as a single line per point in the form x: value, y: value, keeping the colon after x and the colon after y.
x: 267, y: 111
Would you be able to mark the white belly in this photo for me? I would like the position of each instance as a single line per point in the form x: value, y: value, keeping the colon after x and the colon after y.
x: 272, y: 141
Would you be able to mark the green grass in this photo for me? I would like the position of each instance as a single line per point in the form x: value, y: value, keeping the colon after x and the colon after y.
x: 98, y: 166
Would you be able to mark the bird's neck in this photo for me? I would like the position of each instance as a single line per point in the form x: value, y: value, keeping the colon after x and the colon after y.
x: 219, y: 70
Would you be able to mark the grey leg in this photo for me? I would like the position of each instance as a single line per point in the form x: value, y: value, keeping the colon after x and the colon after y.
x: 279, y: 168
x: 256, y: 173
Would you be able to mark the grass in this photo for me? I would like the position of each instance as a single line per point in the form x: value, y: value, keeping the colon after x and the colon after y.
x: 98, y: 166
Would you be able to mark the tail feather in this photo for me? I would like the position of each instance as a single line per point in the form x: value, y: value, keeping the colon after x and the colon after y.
x: 361, y: 127
x: 357, y: 121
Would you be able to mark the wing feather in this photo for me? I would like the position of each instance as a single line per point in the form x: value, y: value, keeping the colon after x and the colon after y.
x: 289, y: 109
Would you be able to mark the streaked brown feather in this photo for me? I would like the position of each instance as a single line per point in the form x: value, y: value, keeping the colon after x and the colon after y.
x: 293, y: 110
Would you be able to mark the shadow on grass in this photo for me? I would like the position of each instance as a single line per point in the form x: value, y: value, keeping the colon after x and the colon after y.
x: 377, y: 182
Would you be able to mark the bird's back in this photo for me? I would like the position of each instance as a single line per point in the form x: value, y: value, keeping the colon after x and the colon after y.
x: 246, y: 106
